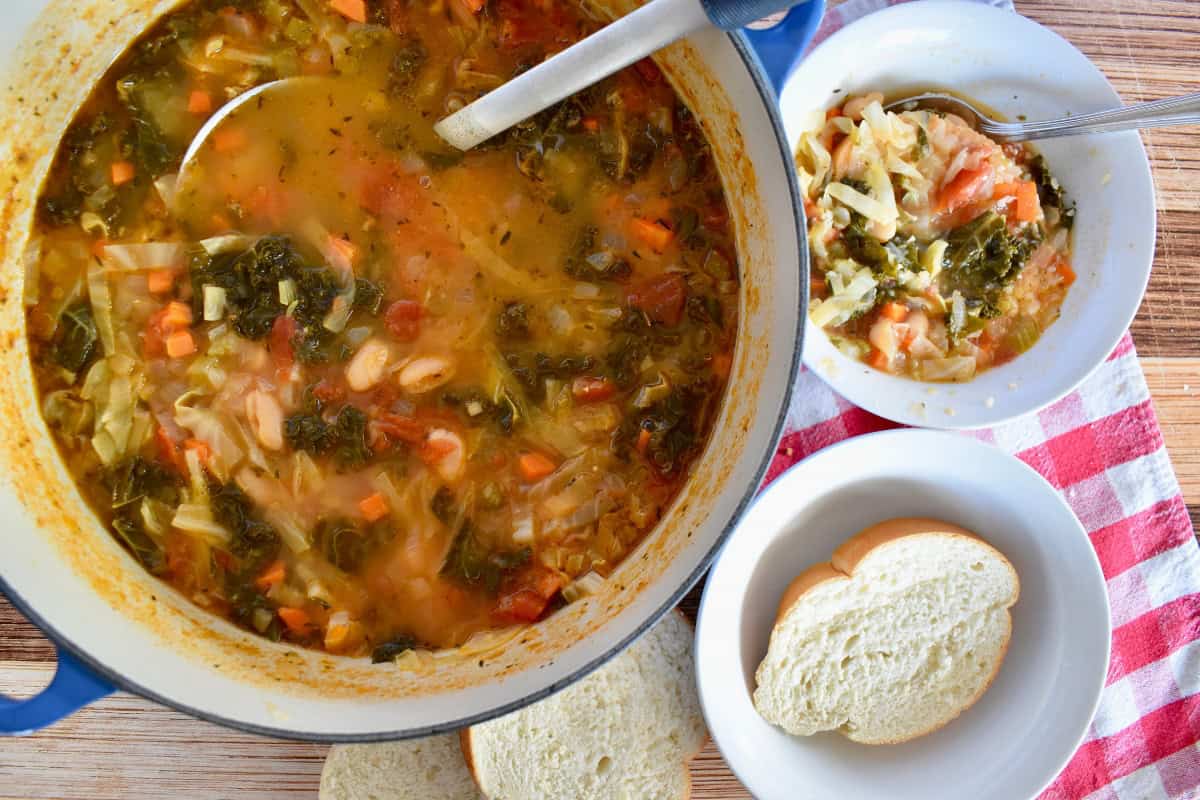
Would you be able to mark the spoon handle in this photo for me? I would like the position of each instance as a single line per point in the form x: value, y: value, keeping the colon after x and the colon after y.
x: 1184, y: 110
x: 614, y: 47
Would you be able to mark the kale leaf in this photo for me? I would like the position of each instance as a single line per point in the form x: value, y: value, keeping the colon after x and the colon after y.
x: 397, y: 645
x: 77, y: 339
x: 254, y: 541
x: 982, y: 259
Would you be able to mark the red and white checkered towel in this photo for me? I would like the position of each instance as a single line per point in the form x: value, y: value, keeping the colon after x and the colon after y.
x: 1101, y: 447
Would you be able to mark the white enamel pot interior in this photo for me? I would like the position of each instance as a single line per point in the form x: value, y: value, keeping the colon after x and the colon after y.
x: 64, y: 571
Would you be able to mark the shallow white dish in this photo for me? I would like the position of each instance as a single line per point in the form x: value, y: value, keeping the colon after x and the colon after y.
x: 1017, y: 67
x: 1021, y: 733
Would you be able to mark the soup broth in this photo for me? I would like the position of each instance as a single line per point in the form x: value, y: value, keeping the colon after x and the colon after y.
x: 346, y: 386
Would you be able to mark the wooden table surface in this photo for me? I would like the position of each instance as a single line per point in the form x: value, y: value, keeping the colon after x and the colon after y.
x: 125, y: 747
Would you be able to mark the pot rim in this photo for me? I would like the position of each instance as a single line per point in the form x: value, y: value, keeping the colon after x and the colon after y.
x: 770, y: 103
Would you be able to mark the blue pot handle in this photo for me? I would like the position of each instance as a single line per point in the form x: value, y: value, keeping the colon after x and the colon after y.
x: 74, y: 686
x: 780, y: 48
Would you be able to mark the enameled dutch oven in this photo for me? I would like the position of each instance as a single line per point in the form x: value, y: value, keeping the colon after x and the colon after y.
x: 117, y: 627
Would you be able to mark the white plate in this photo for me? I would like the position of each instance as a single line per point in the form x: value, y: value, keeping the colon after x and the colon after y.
x: 1017, y: 67
x: 1023, y: 730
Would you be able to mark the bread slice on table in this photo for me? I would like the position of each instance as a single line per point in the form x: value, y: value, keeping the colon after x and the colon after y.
x: 419, y: 769
x: 902, y: 631
x: 626, y: 732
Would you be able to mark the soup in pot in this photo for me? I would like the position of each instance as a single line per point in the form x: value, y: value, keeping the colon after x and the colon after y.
x: 348, y: 387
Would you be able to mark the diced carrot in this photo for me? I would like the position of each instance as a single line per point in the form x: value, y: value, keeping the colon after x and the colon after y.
x: 1025, y: 206
x: 587, y: 389
x: 534, y: 466
x: 654, y: 234
x: 201, y: 448
x: 98, y: 247
x: 177, y: 315
x: 836, y: 111
x: 896, y: 312
x: 1028, y: 205
x: 810, y: 208
x: 374, y: 507
x: 1063, y: 268
x: 229, y: 139
x: 180, y: 344
x: 160, y: 281
x: 355, y: 10
x: 122, y: 172
x: 271, y: 576
x: 296, y: 619
x: 643, y: 441
x: 879, y: 359
x: 591, y: 124
x: 962, y: 190
x: 200, y: 102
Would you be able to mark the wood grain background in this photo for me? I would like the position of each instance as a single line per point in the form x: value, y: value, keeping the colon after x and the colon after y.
x: 125, y: 747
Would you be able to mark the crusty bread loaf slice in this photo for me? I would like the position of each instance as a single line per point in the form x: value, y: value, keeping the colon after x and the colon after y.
x: 420, y: 769
x: 903, y: 630
x: 626, y: 732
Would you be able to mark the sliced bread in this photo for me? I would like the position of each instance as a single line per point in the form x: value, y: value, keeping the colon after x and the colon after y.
x: 420, y: 769
x: 903, y: 630
x: 626, y: 732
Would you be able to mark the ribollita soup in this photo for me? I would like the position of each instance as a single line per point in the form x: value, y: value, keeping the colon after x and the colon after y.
x: 350, y: 388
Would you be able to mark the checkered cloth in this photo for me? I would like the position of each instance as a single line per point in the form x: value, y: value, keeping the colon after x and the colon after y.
x: 1101, y: 447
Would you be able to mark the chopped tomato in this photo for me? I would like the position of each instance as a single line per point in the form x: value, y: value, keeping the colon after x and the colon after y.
x: 534, y: 466
x: 661, y: 297
x: 401, y: 428
x: 203, y: 451
x: 280, y: 341
x: 1064, y: 270
x: 527, y: 594
x: 587, y: 389
x: 963, y: 190
x: 403, y: 319
x: 836, y: 111
x: 168, y: 448
x: 327, y: 392
x: 525, y: 22
x: 648, y: 70
x: 590, y: 124
x: 715, y: 218
x: 722, y: 363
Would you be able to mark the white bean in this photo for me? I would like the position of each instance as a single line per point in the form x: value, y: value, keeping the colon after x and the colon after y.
x: 368, y: 366
x: 266, y: 417
x: 425, y: 374
x: 452, y: 459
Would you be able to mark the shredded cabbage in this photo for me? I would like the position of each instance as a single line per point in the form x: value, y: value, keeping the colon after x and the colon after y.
x: 869, y: 207
x: 101, y: 297
x: 112, y: 385
x: 854, y: 297
x: 198, y: 519
x: 206, y: 426
x: 138, y: 257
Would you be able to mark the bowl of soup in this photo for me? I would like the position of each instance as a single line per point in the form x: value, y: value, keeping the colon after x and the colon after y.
x: 333, y: 432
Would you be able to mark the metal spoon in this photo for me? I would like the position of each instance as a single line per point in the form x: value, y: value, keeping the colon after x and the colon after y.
x: 1183, y: 110
x: 632, y: 37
